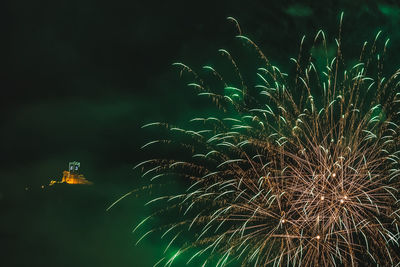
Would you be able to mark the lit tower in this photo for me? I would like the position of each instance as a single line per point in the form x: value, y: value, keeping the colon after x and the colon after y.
x: 74, y: 166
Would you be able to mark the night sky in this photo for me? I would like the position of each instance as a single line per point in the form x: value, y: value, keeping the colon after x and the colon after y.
x: 82, y: 77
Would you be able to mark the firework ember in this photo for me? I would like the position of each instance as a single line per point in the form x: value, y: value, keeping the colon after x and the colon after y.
x: 299, y: 170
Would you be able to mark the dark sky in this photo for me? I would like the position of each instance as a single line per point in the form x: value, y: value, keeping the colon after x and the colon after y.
x: 82, y: 76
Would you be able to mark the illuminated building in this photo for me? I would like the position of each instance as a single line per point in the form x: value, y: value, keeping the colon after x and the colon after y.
x: 72, y: 176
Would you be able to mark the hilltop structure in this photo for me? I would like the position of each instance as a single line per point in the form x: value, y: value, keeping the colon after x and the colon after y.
x: 72, y: 176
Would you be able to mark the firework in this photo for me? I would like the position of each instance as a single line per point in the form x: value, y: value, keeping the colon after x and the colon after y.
x: 299, y: 170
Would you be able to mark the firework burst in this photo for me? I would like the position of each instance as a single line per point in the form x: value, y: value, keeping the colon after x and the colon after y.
x: 300, y: 170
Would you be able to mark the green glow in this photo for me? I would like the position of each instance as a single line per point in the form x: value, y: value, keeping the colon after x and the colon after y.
x: 298, y: 10
x: 391, y: 11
